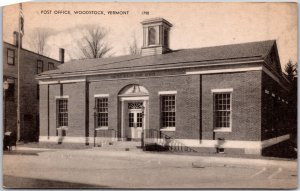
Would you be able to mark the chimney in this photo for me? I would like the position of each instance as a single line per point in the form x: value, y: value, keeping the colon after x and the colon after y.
x: 62, y: 55
x: 156, y: 36
x: 16, y: 39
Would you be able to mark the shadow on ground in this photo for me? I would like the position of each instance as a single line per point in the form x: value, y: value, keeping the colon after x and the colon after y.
x: 21, y: 182
x: 25, y: 153
x: 284, y: 149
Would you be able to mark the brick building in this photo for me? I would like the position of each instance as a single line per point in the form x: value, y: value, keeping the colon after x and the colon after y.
x: 231, y: 96
x: 30, y: 64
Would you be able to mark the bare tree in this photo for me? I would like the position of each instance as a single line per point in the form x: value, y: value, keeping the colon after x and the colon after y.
x: 93, y: 44
x: 39, y: 38
x: 134, y: 48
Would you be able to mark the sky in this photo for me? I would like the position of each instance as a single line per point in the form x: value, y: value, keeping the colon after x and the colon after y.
x: 195, y: 25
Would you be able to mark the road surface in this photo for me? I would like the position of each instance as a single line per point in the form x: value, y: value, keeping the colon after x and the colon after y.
x: 92, y: 168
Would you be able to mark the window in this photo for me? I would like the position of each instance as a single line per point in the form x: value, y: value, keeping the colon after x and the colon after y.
x: 166, y: 37
x: 102, y: 112
x: 168, y: 110
x: 39, y: 66
x: 62, y: 108
x: 139, y: 122
x: 10, y: 92
x: 10, y: 56
x: 37, y: 91
x: 222, y: 111
x: 152, y: 36
x: 50, y: 66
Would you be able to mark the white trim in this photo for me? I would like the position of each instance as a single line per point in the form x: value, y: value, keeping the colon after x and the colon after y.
x: 254, y: 147
x: 91, y: 73
x: 72, y: 81
x: 237, y: 144
x: 134, y: 98
x: 222, y: 90
x: 101, y: 128
x: 168, y: 129
x: 224, y: 129
x: 60, y: 97
x: 275, y: 140
x: 227, y: 143
x: 166, y: 92
x: 62, y: 128
x: 101, y: 95
x: 47, y: 82
x: 226, y: 70
x: 62, y: 81
x: 66, y: 139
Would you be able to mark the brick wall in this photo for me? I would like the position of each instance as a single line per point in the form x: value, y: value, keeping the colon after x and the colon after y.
x: 274, y: 111
x: 29, y: 102
x: 246, y: 113
x: 187, y: 104
x: 246, y: 97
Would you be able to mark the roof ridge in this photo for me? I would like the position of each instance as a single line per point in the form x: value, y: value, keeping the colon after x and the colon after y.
x: 243, y: 43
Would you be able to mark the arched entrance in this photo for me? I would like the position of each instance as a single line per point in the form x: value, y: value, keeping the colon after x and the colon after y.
x: 133, y: 112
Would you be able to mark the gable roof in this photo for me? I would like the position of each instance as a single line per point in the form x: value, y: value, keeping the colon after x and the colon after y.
x: 23, y: 49
x: 226, y: 53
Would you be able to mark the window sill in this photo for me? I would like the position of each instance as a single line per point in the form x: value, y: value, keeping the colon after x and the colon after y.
x: 222, y: 130
x: 62, y: 128
x: 168, y: 129
x: 101, y: 128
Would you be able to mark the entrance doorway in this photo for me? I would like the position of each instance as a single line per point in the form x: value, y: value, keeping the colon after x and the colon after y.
x: 133, y: 112
x: 135, y: 120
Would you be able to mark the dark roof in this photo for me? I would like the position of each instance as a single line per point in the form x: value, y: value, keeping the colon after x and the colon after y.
x: 207, y: 55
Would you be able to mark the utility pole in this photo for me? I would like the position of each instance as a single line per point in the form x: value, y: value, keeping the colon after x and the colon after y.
x: 21, y: 32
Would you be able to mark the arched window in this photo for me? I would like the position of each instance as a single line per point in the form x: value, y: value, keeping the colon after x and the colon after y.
x: 151, y: 36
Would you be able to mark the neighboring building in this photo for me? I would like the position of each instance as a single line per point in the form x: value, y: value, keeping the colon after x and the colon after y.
x: 196, y: 96
x: 30, y: 64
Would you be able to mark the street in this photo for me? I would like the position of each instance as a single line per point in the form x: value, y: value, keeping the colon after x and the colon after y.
x: 92, y: 168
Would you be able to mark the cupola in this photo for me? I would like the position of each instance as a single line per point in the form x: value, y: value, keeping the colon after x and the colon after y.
x: 156, y: 33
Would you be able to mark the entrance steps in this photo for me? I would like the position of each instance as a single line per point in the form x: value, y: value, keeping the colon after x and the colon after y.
x: 119, y: 146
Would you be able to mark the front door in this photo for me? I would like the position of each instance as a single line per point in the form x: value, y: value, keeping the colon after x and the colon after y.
x: 135, y: 122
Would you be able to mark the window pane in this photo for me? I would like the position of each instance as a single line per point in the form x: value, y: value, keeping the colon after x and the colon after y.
x: 10, y: 92
x: 10, y: 56
x: 62, y: 112
x: 168, y: 110
x: 39, y: 66
x: 152, y: 36
x: 166, y: 37
x: 222, y: 110
x: 102, y: 112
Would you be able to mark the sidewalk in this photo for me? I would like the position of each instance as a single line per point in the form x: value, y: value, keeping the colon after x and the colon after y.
x: 66, y: 146
x: 196, y: 161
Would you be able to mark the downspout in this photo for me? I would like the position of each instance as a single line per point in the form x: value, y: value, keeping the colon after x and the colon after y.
x: 87, y: 94
x: 200, y: 110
